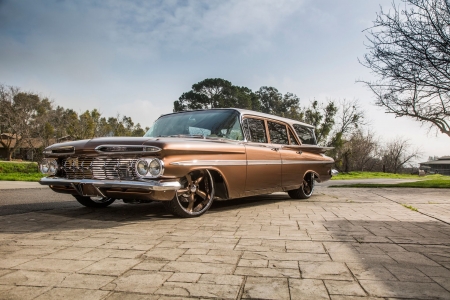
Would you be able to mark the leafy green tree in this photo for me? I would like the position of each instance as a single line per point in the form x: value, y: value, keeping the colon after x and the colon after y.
x: 73, y: 127
x: 215, y: 93
x: 91, y: 124
x: 322, y: 118
x: 273, y: 102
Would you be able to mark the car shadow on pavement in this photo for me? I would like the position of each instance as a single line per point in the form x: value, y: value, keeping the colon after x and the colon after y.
x: 386, y: 259
x: 35, y: 217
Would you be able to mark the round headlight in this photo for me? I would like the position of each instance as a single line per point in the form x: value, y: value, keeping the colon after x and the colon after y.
x: 52, y: 167
x: 44, y: 167
x: 142, y: 167
x: 155, y: 167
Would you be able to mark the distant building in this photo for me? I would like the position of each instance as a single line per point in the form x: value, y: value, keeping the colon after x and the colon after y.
x: 439, y: 166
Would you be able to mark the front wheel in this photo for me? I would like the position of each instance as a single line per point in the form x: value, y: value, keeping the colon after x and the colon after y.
x: 195, y: 197
x: 306, y: 190
x: 94, y: 201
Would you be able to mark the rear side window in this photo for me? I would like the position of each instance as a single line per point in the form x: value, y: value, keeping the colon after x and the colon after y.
x: 256, y: 130
x: 306, y: 134
x: 278, y: 133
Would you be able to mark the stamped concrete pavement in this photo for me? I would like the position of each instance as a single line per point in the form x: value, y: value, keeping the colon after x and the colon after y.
x: 340, y: 244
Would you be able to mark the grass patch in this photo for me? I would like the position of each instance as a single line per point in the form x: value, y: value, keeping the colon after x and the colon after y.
x: 373, y: 175
x: 410, y: 207
x: 20, y: 171
x: 436, y: 181
x: 21, y: 176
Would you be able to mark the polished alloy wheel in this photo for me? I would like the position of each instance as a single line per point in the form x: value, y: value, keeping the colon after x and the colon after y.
x: 195, y: 197
x: 198, y: 192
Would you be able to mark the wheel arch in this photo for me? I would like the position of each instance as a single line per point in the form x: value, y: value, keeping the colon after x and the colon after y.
x: 220, y: 182
x: 316, y: 175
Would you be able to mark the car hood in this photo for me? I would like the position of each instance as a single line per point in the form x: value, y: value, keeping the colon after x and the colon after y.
x: 160, y: 146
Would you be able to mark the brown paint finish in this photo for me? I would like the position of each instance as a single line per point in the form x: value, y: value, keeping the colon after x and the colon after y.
x: 263, y: 167
x: 292, y: 173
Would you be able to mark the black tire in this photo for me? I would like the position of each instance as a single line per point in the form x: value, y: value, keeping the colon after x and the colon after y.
x: 194, y: 198
x: 306, y: 190
x: 94, y: 202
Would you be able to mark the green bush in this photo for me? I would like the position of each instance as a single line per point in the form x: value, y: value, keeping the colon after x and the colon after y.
x: 19, y: 171
x: 18, y: 167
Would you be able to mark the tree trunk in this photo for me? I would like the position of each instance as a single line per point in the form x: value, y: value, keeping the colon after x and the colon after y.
x: 9, y: 154
x: 346, y: 162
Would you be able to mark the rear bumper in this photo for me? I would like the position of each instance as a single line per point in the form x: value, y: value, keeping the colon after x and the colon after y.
x: 150, y: 185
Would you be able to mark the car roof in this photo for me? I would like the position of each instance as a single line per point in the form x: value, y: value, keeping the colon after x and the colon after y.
x: 247, y: 112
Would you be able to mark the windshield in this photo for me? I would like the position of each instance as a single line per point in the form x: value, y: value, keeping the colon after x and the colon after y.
x: 208, y: 123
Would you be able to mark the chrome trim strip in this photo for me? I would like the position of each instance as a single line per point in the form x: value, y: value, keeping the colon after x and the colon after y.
x: 49, y: 152
x: 243, y: 162
x: 151, y: 185
x: 209, y: 163
x: 263, y: 162
x: 145, y: 149
x: 301, y: 162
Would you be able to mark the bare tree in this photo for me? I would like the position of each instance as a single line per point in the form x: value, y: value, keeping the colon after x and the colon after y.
x: 364, y: 148
x: 396, y: 154
x: 350, y: 116
x: 409, y: 52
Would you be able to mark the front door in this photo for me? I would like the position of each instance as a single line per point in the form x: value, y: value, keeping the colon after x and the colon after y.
x: 263, y: 159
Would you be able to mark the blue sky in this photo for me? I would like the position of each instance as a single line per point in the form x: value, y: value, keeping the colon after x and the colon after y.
x: 135, y: 58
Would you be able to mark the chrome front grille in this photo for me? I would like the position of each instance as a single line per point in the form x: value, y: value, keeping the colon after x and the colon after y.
x: 99, y: 168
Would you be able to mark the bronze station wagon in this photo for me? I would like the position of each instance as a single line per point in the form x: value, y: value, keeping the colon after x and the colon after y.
x: 189, y: 159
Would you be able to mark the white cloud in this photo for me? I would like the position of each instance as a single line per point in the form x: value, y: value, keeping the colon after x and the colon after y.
x: 199, y: 25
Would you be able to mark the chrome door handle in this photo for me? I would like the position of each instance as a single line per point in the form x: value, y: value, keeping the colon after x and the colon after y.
x: 299, y: 152
x: 275, y: 149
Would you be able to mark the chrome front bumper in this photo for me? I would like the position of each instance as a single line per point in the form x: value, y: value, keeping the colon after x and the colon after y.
x: 150, y: 185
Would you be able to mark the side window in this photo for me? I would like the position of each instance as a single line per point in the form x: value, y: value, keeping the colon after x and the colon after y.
x: 306, y: 134
x: 256, y: 130
x: 292, y: 138
x: 278, y: 133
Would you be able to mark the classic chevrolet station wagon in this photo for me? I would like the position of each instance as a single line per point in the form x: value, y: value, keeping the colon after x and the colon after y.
x: 189, y: 159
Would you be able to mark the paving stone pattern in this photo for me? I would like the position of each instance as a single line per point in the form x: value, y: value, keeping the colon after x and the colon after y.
x: 340, y: 244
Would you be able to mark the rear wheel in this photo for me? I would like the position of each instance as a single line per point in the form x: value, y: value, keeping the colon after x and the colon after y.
x: 195, y: 197
x: 306, y: 190
x: 94, y: 201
